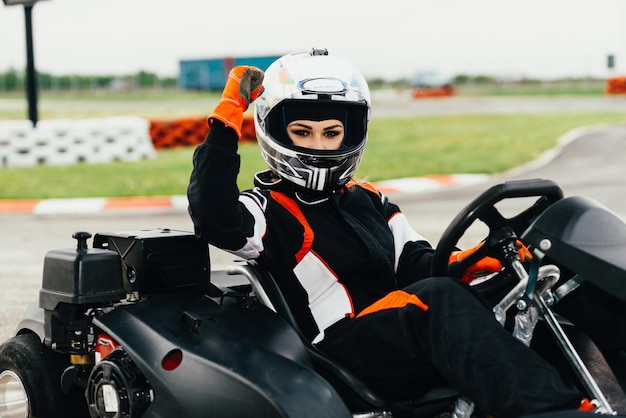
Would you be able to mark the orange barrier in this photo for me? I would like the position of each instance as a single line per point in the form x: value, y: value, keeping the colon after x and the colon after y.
x: 616, y: 85
x: 190, y: 132
x: 420, y: 93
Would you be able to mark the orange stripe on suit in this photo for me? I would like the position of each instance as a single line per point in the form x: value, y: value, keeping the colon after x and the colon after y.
x: 393, y: 300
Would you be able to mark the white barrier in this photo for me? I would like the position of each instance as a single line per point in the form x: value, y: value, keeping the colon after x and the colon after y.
x: 65, y: 141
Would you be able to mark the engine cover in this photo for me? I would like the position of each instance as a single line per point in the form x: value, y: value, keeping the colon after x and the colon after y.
x: 73, y: 281
x: 81, y: 276
x: 158, y: 261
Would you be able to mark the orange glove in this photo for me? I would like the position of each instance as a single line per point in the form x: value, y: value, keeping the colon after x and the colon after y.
x: 485, y: 265
x: 243, y: 86
x: 482, y: 267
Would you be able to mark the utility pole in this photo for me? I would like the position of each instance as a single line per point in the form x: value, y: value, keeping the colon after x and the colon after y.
x: 31, y: 73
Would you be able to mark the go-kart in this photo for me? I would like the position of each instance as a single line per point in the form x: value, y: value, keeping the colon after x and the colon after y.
x: 139, y: 326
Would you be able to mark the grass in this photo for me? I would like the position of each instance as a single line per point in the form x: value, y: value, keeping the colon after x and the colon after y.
x: 467, y: 143
x: 167, y: 174
x: 398, y: 147
x: 578, y: 87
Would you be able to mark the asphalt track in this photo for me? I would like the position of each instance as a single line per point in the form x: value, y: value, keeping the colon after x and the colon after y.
x: 588, y: 162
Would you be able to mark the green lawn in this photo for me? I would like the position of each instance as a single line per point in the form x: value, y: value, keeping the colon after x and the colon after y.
x: 398, y: 147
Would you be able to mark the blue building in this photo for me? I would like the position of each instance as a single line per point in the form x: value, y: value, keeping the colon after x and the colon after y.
x: 211, y: 74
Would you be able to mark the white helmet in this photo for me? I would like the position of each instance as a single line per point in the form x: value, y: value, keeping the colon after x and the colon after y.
x: 312, y: 86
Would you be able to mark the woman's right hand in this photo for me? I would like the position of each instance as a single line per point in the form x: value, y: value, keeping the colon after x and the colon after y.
x: 243, y: 86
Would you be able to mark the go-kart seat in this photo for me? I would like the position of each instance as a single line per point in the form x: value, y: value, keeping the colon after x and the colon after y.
x: 355, y: 393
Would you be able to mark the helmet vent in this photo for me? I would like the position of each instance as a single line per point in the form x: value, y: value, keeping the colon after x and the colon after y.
x: 323, y: 86
x: 315, y: 51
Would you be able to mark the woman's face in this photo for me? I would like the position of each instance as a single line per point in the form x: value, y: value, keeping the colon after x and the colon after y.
x: 319, y: 135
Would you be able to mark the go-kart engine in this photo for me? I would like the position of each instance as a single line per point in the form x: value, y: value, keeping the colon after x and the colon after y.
x: 75, y: 281
x: 120, y: 266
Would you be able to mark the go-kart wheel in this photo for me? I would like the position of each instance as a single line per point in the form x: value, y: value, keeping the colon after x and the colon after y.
x: 483, y: 208
x: 30, y: 381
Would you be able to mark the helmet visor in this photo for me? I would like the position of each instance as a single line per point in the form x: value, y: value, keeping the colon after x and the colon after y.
x: 353, y: 117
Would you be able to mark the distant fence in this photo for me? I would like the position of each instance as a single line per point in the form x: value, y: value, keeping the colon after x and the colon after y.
x: 62, y: 142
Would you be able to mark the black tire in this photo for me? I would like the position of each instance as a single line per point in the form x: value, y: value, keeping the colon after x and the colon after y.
x: 26, y: 362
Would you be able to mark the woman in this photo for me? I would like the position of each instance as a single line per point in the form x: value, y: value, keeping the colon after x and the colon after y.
x: 353, y: 271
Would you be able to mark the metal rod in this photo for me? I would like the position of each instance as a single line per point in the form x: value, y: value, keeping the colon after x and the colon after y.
x: 243, y: 270
x: 571, y: 354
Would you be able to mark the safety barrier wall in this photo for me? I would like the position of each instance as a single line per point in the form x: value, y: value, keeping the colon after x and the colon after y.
x: 190, y: 132
x: 423, y: 93
x: 178, y: 132
x: 62, y: 142
x: 616, y: 85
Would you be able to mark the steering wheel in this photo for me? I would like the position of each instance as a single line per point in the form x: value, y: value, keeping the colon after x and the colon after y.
x: 483, y: 208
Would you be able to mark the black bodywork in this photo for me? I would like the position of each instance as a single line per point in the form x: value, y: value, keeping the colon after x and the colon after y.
x: 235, y: 355
x: 587, y: 238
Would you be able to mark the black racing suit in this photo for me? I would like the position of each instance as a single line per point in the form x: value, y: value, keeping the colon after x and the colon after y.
x: 350, y: 267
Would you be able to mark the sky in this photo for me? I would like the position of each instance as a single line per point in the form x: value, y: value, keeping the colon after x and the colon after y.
x: 389, y: 39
